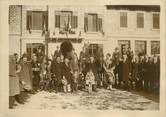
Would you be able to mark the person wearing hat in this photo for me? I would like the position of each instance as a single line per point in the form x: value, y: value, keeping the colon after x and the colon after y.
x: 36, y: 68
x: 57, y: 52
x: 14, y: 88
x: 67, y: 73
x: 125, y: 71
x: 25, y: 74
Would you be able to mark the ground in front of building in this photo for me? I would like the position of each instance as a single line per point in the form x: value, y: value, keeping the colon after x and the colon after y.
x: 101, y: 100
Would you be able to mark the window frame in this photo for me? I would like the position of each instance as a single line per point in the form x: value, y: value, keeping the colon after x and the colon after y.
x: 41, y: 21
x: 158, y: 13
x: 123, y: 11
x: 74, y: 17
x: 30, y: 26
x: 145, y: 42
x: 151, y: 47
x: 94, y: 14
x: 137, y: 20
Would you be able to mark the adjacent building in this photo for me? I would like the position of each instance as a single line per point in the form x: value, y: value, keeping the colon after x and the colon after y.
x: 95, y: 28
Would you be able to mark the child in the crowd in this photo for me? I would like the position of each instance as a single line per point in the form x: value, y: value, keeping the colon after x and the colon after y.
x: 81, y: 81
x: 74, y: 84
x: 90, y: 80
x: 64, y: 83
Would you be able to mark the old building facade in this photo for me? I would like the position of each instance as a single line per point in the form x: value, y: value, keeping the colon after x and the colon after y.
x: 95, y: 28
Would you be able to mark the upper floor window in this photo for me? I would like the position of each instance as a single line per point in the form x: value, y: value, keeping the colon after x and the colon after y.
x: 156, y: 21
x: 36, y: 20
x: 140, y: 20
x: 123, y: 19
x: 66, y: 19
x: 92, y: 23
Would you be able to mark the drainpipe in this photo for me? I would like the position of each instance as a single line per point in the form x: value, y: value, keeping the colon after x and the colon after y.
x: 21, y: 31
x: 47, y: 35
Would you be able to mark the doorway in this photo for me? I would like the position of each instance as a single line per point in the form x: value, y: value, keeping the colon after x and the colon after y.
x: 32, y: 48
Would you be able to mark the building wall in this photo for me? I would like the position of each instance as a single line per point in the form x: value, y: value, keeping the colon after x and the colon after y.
x: 114, y: 32
x: 14, y: 29
x: 36, y: 35
x: 89, y: 37
x: 111, y: 28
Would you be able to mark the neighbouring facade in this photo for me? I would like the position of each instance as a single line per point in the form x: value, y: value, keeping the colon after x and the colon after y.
x: 95, y: 28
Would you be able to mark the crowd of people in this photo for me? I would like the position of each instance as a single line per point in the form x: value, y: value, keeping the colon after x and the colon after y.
x: 122, y: 70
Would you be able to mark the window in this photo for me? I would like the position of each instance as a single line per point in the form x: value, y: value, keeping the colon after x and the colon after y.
x: 123, y: 45
x: 156, y: 21
x: 95, y: 50
x: 140, y: 20
x: 66, y: 19
x: 155, y: 47
x: 92, y: 23
x: 123, y: 19
x: 36, y: 20
x: 140, y: 47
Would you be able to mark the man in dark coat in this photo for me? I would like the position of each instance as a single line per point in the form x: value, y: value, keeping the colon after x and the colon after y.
x: 116, y: 57
x: 36, y: 67
x: 156, y: 72
x: 118, y: 70
x: 151, y: 74
x: 57, y: 52
x: 66, y: 72
x: 145, y: 71
x: 125, y: 71
x: 57, y: 72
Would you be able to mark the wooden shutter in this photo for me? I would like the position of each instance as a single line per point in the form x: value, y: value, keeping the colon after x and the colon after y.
x: 74, y: 20
x: 29, y: 20
x: 45, y: 20
x: 95, y: 24
x: 86, y: 22
x: 57, y: 19
x: 99, y: 23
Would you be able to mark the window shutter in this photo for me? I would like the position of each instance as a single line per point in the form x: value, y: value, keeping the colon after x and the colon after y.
x: 95, y: 22
x: 99, y: 23
x: 156, y: 21
x: 45, y: 20
x: 57, y: 19
x: 74, y: 20
x: 29, y: 20
x: 86, y: 22
x: 123, y: 19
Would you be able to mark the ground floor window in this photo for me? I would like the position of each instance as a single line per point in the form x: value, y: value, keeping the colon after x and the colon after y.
x: 94, y: 49
x: 140, y: 47
x: 34, y: 48
x: 155, y: 47
x: 123, y: 45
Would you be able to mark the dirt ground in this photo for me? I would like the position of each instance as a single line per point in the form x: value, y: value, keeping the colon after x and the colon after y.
x: 100, y: 100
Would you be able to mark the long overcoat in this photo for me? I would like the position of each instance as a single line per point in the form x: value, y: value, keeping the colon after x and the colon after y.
x: 14, y: 88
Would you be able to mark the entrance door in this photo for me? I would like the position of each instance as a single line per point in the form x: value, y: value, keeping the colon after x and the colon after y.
x: 95, y: 50
x: 32, y: 48
x: 123, y: 45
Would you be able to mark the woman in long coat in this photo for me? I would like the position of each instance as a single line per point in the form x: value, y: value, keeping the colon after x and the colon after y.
x: 14, y: 88
x: 108, y: 67
x: 25, y: 74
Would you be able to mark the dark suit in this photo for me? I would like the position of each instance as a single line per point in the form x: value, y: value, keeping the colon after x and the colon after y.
x: 66, y: 71
x: 56, y: 69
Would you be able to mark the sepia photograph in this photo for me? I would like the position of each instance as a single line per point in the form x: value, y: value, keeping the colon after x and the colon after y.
x: 81, y: 57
